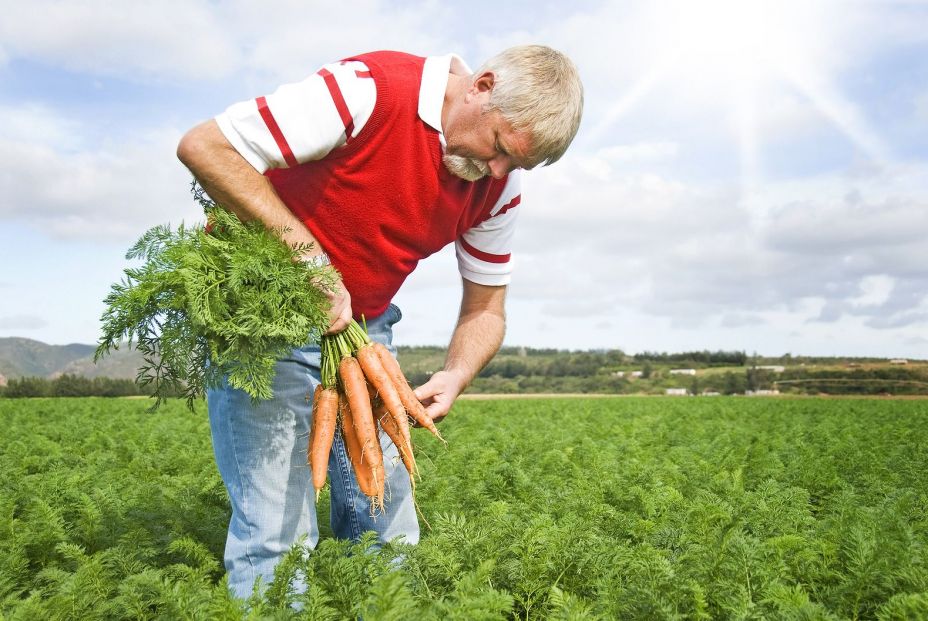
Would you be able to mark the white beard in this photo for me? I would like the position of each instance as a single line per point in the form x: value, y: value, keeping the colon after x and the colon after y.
x: 464, y: 167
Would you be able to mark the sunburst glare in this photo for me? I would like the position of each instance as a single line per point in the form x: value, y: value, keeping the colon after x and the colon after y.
x: 733, y: 56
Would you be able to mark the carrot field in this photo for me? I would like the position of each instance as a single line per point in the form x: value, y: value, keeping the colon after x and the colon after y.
x: 610, y: 508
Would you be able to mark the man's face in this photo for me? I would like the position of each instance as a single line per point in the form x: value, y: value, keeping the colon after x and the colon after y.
x: 480, y: 142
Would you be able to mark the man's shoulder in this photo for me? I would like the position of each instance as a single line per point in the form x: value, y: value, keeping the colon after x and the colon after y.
x: 388, y: 58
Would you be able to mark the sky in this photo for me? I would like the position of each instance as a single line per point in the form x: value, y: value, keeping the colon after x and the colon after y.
x: 748, y: 175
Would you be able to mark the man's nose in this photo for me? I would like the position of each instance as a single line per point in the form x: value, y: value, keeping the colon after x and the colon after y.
x: 500, y: 166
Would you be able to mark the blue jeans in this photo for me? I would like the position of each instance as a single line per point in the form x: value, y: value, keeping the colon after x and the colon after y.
x: 261, y: 450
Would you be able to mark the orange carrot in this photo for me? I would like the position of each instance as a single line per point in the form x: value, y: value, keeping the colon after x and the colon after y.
x: 410, y: 402
x: 363, y: 420
x: 378, y: 377
x: 400, y: 439
x: 325, y: 415
x: 363, y: 473
x: 312, y: 431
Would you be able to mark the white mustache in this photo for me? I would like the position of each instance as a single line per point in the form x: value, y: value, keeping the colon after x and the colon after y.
x: 466, y: 168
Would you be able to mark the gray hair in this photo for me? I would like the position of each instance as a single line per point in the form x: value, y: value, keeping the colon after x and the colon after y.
x: 537, y: 89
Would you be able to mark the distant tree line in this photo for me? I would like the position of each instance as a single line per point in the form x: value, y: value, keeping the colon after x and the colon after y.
x: 695, y: 358
x: 519, y: 362
x: 527, y: 370
x: 71, y: 386
x: 875, y: 381
x: 564, y: 364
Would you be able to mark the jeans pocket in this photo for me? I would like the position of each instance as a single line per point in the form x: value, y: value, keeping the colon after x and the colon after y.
x: 396, y: 314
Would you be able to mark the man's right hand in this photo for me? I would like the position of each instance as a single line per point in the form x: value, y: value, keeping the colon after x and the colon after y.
x: 340, y: 311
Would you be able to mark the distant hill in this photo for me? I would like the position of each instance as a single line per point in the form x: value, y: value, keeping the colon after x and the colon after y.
x: 528, y: 370
x: 26, y: 357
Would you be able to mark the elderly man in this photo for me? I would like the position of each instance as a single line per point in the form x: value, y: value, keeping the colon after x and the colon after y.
x: 378, y: 161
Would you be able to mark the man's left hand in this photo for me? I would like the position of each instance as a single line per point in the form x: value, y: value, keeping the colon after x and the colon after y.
x: 438, y: 394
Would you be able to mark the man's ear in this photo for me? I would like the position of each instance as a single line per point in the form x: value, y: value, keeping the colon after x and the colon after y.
x: 484, y: 82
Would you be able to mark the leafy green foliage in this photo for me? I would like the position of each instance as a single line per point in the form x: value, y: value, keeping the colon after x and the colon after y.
x: 714, y: 509
x: 626, y: 508
x: 208, y: 304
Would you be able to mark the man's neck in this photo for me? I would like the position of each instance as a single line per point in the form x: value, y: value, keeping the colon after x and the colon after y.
x: 454, y: 92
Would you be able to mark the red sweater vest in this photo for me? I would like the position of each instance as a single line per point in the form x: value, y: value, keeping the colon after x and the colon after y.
x: 384, y: 201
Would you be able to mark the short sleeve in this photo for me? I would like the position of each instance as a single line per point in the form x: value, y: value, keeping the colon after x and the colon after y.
x: 484, y: 251
x: 303, y: 121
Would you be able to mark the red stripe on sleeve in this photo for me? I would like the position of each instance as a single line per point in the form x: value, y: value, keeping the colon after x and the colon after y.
x: 278, y: 135
x: 362, y: 74
x: 510, y: 205
x: 484, y: 256
x: 339, y: 102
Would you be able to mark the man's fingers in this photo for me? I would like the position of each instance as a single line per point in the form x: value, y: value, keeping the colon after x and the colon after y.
x: 337, y: 326
x: 340, y: 311
x: 425, y: 392
x: 437, y: 411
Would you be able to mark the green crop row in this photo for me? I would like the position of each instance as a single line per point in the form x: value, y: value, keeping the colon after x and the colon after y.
x: 625, y: 508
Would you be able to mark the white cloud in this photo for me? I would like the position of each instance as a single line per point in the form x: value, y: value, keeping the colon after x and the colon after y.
x: 849, y: 228
x: 592, y: 240
x: 279, y: 40
x: 111, y: 193
x: 740, y: 320
x: 168, y: 39
x: 640, y: 152
x: 288, y: 39
x: 36, y: 123
x: 874, y: 290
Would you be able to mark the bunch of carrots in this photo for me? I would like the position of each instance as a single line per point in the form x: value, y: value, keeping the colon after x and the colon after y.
x: 363, y: 388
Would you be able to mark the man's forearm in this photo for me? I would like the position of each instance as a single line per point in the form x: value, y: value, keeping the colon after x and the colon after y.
x: 233, y: 183
x: 475, y: 341
x: 477, y: 337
